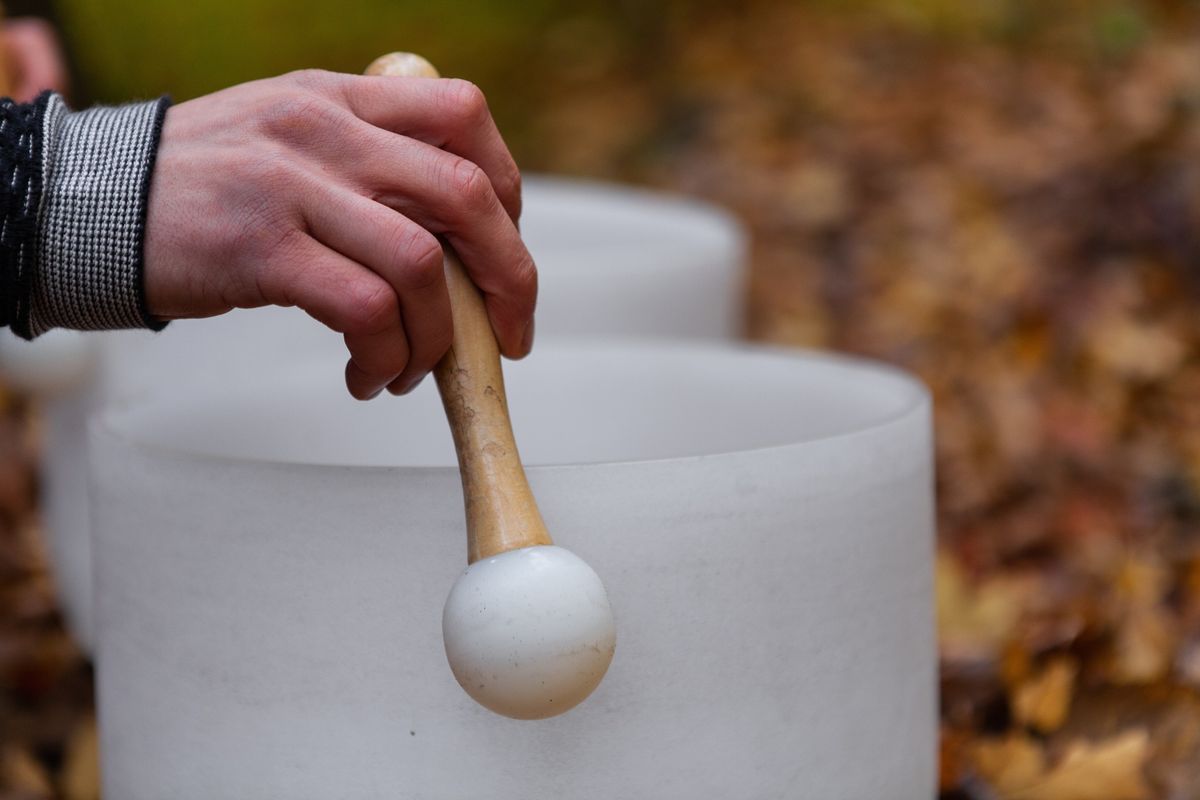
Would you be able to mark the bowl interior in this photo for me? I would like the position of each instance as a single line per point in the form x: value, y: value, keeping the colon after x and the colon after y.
x: 575, y: 403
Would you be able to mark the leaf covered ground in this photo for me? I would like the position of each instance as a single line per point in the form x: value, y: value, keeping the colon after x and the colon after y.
x: 1017, y: 220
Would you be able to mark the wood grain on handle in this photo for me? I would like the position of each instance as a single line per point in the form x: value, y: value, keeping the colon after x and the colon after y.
x: 502, y: 514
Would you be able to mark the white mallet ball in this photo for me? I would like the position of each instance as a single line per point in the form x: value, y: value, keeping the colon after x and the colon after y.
x: 529, y: 633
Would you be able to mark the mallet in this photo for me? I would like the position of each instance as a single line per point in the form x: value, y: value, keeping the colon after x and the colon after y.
x: 528, y: 629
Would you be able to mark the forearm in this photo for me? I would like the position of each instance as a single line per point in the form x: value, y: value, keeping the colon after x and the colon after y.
x: 73, y: 197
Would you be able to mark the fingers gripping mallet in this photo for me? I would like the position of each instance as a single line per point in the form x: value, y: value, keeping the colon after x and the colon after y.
x: 528, y: 628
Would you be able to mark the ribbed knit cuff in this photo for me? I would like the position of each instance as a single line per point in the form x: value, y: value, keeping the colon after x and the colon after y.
x: 95, y: 178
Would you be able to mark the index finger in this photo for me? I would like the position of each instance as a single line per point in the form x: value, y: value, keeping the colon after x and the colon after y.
x: 447, y: 113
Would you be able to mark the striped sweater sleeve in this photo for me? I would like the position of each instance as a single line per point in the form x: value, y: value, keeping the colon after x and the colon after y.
x: 73, y: 202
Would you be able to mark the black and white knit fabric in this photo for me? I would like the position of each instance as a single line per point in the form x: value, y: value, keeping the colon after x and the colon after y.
x: 20, y: 201
x: 73, y: 206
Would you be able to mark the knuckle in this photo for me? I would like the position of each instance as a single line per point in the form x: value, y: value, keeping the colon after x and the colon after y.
x: 300, y: 116
x: 510, y: 186
x: 466, y: 102
x: 512, y: 176
x: 523, y: 280
x: 468, y: 184
x: 373, y: 307
x: 286, y: 113
x: 420, y: 254
x: 311, y: 78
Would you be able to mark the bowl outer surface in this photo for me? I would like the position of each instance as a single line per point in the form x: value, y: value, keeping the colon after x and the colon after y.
x: 132, y: 364
x: 63, y: 492
x: 614, y: 260
x: 57, y: 362
x: 273, y: 629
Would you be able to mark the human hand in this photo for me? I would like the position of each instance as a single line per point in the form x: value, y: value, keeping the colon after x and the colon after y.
x: 328, y: 192
x: 35, y: 58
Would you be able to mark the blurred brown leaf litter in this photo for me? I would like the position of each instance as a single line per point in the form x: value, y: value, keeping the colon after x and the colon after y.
x: 1011, y: 209
x: 1007, y: 205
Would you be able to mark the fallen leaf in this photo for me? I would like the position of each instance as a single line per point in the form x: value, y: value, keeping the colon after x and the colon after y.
x: 1018, y: 769
x: 81, y: 772
x: 1042, y: 703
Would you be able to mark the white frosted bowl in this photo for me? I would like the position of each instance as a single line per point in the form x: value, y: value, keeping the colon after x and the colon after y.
x: 619, y: 261
x: 273, y: 560
x: 54, y: 363
x: 221, y: 351
x: 612, y: 260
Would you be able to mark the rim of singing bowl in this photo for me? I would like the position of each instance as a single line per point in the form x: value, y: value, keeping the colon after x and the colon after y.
x: 642, y: 216
x: 858, y: 395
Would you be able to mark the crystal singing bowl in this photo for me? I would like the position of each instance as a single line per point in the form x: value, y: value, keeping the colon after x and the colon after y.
x: 272, y: 560
x: 612, y: 261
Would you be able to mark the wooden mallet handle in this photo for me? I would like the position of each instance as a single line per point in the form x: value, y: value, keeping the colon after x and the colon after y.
x: 502, y: 514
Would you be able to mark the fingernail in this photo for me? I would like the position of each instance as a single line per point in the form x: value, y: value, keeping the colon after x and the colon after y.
x: 375, y: 393
x: 527, y: 339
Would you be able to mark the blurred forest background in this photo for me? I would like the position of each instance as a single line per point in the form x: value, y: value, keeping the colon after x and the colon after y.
x: 1000, y: 195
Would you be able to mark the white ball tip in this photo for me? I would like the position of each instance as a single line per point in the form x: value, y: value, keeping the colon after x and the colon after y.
x: 529, y: 633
